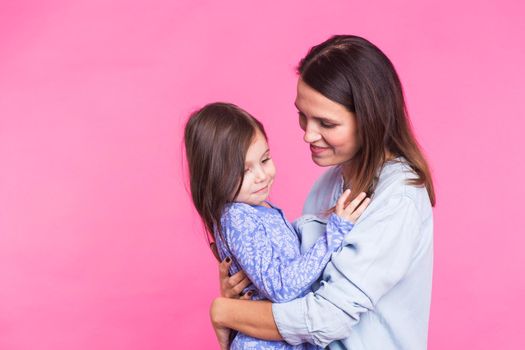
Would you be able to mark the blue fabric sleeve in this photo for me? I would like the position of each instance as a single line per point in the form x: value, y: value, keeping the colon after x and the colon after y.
x: 250, y: 243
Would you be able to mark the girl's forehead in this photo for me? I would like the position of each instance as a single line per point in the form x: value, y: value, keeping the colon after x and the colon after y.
x: 258, y: 147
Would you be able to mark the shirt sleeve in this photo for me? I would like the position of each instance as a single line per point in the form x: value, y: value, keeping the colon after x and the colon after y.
x: 276, y: 278
x: 373, y: 259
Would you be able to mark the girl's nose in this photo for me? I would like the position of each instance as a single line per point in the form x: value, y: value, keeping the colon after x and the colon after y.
x: 260, y: 174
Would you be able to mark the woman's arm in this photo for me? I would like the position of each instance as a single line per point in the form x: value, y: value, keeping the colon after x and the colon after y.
x: 374, y: 259
x: 253, y: 318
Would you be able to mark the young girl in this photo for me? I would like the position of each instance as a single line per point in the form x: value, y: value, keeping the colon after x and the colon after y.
x: 231, y: 173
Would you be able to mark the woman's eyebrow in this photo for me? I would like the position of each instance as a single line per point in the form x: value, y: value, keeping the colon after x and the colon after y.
x: 326, y: 119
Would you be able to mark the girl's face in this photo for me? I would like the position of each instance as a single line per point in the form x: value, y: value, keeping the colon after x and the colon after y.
x: 329, y: 128
x: 259, y: 172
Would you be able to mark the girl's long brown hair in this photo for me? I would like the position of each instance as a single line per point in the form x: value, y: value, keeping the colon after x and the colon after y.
x: 355, y: 73
x: 216, y: 139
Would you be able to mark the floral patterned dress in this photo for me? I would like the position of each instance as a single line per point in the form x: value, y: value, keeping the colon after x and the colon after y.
x: 264, y: 244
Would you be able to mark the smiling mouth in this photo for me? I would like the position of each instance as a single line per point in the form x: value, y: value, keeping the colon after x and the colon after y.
x: 317, y: 149
x: 262, y: 189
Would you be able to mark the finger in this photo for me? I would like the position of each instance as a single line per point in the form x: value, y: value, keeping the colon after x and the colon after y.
x: 224, y: 267
x: 340, y: 204
x: 353, y: 204
x: 247, y: 296
x: 239, y: 287
x: 357, y: 213
x: 235, y: 291
x: 236, y: 279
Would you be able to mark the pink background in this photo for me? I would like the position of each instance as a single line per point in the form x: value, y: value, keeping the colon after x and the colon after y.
x: 99, y: 245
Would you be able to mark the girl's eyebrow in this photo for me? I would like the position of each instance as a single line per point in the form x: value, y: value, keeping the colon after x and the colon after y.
x: 263, y: 155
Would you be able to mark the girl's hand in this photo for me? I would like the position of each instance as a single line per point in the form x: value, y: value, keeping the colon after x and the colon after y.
x: 232, y: 286
x: 354, y: 209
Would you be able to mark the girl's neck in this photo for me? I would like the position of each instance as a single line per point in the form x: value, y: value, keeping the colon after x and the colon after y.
x: 264, y: 204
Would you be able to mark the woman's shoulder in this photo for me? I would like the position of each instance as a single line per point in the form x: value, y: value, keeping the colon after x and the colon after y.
x: 395, y: 183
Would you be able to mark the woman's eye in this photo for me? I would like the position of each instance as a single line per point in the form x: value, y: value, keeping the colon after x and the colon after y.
x: 326, y: 125
x: 266, y: 159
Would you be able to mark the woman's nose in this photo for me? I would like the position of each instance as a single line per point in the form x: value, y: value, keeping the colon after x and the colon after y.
x: 311, y: 134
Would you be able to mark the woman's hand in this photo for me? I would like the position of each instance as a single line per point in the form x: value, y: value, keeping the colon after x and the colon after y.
x: 232, y: 286
x: 354, y: 209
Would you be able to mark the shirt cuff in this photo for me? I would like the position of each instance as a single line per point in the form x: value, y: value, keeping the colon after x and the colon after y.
x: 290, y: 319
x: 343, y: 225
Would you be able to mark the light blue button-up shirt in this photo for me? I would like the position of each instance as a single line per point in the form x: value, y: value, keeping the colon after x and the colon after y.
x: 375, y: 291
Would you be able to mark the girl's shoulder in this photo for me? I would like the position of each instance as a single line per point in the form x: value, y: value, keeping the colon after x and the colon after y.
x: 237, y: 212
x: 240, y: 219
x: 238, y: 208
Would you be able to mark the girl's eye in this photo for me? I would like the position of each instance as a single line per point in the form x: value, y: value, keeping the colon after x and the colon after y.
x: 266, y: 159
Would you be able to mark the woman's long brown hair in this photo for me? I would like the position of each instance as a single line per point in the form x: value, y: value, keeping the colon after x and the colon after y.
x: 355, y: 73
x: 216, y: 139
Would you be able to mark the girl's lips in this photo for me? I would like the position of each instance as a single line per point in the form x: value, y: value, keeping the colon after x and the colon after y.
x: 262, y: 189
x: 317, y: 149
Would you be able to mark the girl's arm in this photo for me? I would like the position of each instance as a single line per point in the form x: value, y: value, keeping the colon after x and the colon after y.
x: 253, y: 246
x: 253, y: 249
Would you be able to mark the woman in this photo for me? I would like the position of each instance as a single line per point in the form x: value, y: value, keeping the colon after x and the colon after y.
x: 375, y: 291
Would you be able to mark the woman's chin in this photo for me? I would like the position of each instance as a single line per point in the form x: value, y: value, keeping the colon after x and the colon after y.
x: 323, y: 162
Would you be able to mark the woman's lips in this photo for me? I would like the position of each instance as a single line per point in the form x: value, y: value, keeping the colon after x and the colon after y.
x: 318, y: 150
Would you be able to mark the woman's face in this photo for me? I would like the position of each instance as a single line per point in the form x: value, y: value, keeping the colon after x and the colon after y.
x: 329, y: 128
